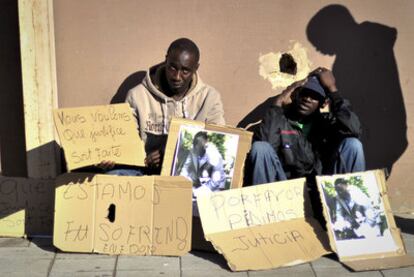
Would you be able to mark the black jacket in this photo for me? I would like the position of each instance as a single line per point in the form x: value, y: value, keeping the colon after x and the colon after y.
x: 299, y: 155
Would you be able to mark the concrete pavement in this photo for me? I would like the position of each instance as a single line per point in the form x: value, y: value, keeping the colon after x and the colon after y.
x: 38, y: 257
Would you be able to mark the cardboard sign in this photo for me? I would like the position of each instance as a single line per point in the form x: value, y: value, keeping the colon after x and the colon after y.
x: 262, y: 227
x: 90, y: 135
x: 148, y: 215
x: 26, y: 206
x: 360, y: 222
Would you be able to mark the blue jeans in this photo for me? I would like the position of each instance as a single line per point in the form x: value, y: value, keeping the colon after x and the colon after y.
x: 125, y: 172
x: 267, y: 167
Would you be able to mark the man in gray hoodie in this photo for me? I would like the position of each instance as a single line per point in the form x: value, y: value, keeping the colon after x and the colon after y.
x: 170, y: 89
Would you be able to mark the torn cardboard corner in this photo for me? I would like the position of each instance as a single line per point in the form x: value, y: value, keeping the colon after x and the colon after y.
x: 360, y: 223
x: 243, y: 146
x: 90, y: 135
x: 26, y: 206
x: 263, y: 227
x: 148, y: 215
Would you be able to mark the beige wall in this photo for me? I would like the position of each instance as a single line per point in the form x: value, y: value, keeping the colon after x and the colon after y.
x: 99, y: 43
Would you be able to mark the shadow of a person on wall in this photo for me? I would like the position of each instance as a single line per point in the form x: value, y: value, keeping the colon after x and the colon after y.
x: 130, y: 82
x: 366, y: 73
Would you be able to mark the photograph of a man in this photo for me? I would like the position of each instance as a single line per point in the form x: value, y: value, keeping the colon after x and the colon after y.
x: 356, y: 217
x: 205, y: 157
x: 204, y: 165
x: 352, y: 213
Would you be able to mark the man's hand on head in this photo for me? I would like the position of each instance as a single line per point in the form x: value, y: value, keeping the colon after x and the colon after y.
x: 285, y: 98
x: 153, y: 159
x: 326, y: 78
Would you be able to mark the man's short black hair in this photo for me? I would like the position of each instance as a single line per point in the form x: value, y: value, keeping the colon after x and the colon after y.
x: 341, y: 181
x: 201, y: 134
x: 185, y: 44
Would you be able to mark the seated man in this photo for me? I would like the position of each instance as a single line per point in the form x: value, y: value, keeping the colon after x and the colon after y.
x: 170, y: 89
x: 352, y: 214
x: 295, y: 139
x: 204, y: 166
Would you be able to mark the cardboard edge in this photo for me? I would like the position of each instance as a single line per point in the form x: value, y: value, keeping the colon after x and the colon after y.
x: 152, y: 215
x: 380, y: 263
x: 321, y: 234
x: 93, y: 227
x: 221, y: 252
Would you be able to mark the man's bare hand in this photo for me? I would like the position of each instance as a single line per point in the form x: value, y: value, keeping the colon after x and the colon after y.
x: 106, y: 165
x: 285, y: 98
x: 326, y: 78
x: 153, y: 159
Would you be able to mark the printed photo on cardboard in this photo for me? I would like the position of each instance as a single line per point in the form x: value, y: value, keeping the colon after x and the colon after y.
x: 356, y: 215
x: 205, y: 157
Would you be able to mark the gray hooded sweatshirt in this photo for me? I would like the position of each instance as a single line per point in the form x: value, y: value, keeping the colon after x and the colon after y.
x: 153, y: 109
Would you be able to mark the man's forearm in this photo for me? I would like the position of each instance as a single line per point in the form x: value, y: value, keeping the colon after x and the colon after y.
x: 347, y: 121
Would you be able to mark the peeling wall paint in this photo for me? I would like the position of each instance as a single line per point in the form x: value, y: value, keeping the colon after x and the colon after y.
x: 269, y: 66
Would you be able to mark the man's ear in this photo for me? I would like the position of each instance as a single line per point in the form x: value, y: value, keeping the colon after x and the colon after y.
x: 196, y: 67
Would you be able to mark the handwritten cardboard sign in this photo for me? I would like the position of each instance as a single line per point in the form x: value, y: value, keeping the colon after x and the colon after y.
x: 148, y: 215
x: 26, y: 206
x: 262, y: 227
x: 90, y: 135
x: 360, y: 223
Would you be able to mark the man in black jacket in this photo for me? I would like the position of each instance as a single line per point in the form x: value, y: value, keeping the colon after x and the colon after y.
x: 295, y: 139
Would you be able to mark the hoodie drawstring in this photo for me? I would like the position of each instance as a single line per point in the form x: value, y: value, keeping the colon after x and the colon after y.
x: 164, y: 110
x: 184, y: 106
x: 164, y: 116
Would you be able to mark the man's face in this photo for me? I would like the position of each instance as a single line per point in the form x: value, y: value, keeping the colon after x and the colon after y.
x: 180, y: 67
x: 342, y: 191
x: 199, y: 146
x: 307, y: 101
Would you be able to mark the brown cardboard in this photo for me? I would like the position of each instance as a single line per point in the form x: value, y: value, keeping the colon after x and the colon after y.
x: 263, y: 227
x: 152, y: 214
x: 243, y: 148
x: 393, y: 255
x: 90, y: 135
x: 26, y: 206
